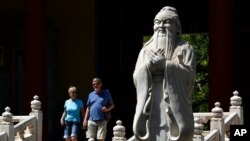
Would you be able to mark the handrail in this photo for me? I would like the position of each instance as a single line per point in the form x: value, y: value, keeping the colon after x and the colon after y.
x: 212, y: 135
x: 231, y: 120
x: 132, y: 139
x: 22, y: 125
x: 3, y: 136
x: 204, y: 116
x: 15, y: 118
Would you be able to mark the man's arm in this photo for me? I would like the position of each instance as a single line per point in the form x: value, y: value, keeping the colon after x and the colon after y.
x: 111, y: 106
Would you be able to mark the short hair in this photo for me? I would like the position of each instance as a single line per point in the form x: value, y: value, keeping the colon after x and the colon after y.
x: 97, y: 79
x: 72, y: 88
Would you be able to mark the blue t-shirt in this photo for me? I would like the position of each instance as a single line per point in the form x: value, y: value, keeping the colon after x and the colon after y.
x: 95, y: 102
x: 73, y: 109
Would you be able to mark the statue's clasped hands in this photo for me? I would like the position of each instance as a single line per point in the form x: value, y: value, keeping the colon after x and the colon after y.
x: 156, y: 59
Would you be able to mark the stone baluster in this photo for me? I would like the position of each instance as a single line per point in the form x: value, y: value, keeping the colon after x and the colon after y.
x: 31, y: 131
x: 198, y: 129
x: 7, y: 124
x: 236, y: 102
x: 119, y: 132
x: 20, y: 135
x: 217, y: 121
x: 36, y: 106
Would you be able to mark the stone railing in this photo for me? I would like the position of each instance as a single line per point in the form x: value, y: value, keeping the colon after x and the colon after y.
x: 22, y: 128
x: 219, y: 120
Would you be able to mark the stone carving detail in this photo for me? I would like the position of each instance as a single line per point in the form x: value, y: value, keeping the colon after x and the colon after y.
x: 35, y: 104
x: 119, y: 132
x: 163, y: 77
x: 217, y: 111
x: 198, y: 126
x: 7, y: 115
x: 236, y: 100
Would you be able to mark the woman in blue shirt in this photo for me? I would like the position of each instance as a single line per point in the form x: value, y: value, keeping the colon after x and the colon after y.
x: 71, y: 117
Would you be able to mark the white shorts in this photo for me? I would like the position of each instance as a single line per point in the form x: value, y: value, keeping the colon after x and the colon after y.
x: 97, y: 129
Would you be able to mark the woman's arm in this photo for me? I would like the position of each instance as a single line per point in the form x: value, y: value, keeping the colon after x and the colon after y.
x: 63, y: 116
x: 86, y: 117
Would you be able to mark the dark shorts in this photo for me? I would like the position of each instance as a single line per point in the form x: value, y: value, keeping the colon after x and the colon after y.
x: 71, y: 129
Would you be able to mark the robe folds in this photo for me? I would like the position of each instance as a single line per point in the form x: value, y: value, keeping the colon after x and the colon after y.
x: 164, y: 99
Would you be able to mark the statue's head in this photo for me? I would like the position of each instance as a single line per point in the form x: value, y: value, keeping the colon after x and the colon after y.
x: 169, y: 13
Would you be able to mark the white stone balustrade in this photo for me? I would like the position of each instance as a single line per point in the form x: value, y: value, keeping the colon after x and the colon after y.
x: 198, y: 129
x: 26, y: 128
x: 220, y: 121
x: 30, y: 127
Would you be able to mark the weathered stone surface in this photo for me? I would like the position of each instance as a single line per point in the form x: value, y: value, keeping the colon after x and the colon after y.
x: 164, y: 76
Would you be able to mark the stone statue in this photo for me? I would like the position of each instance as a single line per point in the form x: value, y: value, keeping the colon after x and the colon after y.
x: 164, y: 77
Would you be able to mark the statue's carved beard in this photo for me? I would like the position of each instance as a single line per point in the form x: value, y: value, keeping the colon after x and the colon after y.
x: 165, y: 41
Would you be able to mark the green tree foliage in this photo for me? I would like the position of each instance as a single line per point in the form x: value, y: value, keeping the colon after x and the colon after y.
x: 200, y: 42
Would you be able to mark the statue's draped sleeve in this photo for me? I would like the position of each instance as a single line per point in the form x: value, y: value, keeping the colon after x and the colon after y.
x: 178, y: 85
x: 141, y: 78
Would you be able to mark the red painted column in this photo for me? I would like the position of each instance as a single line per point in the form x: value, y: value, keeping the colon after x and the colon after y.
x: 221, y: 49
x: 35, y: 54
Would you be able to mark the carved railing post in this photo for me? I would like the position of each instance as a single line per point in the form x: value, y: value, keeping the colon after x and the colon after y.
x: 7, y: 124
x: 35, y: 107
x: 217, y: 121
x: 119, y: 132
x: 198, y: 129
x: 236, y: 102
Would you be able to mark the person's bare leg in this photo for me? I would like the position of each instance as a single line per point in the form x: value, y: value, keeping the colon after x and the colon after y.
x: 67, y: 139
x: 73, y: 138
